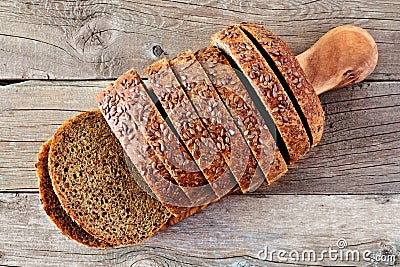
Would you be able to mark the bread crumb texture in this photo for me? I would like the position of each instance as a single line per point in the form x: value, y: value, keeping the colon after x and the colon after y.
x: 94, y: 185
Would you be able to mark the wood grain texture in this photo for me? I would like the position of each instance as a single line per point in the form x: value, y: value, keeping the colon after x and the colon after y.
x: 359, y: 152
x: 234, y: 231
x: 357, y: 160
x: 97, y: 39
x: 340, y: 70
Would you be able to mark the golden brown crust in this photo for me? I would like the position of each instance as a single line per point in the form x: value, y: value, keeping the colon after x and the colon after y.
x: 53, y: 208
x: 293, y: 75
x: 212, y: 112
x: 92, y: 182
x: 241, y: 106
x: 235, y: 43
x: 164, y: 142
x: 278, y: 167
x: 189, y: 126
x: 128, y: 110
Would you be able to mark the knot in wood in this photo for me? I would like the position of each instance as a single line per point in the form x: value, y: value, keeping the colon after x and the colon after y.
x: 158, y: 51
x: 94, y: 36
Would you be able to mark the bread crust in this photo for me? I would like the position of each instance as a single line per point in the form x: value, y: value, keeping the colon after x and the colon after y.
x: 235, y: 43
x: 189, y: 126
x: 53, y: 208
x: 243, y: 110
x: 136, y: 105
x: 294, y: 75
x: 212, y: 111
x: 138, y: 150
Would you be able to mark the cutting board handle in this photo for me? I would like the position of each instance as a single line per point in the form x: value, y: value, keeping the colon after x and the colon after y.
x: 343, y: 56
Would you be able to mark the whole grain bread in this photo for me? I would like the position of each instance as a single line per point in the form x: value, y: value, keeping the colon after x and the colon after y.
x: 163, y: 83
x: 213, y: 113
x: 68, y: 226
x: 86, y: 186
x: 53, y: 208
x: 294, y: 77
x: 135, y: 104
x: 234, y: 42
x: 243, y: 110
x: 63, y: 221
x: 116, y: 112
x: 92, y: 181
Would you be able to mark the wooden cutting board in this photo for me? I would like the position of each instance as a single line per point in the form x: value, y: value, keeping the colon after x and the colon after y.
x: 348, y: 187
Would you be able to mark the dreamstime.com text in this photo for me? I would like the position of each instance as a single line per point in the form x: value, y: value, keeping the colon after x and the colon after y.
x: 340, y: 253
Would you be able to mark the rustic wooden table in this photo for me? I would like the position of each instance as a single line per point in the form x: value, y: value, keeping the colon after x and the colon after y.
x: 56, y: 55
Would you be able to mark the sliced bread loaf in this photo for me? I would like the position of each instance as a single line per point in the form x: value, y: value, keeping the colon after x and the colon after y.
x: 243, y: 110
x: 292, y: 78
x: 53, y: 208
x: 115, y: 109
x: 136, y: 108
x: 234, y: 42
x: 189, y: 127
x: 92, y: 181
x: 214, y: 115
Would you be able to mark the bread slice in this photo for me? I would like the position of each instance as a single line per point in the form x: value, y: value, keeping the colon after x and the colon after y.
x: 243, y: 110
x: 92, y: 181
x: 234, y: 42
x: 292, y: 77
x: 136, y: 108
x: 165, y: 86
x: 214, y: 114
x: 53, y: 208
x: 63, y: 221
x: 115, y: 109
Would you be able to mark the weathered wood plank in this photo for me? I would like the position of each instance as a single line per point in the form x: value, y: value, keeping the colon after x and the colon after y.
x: 96, y: 39
x: 360, y: 146
x: 228, y: 233
x: 359, y: 153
